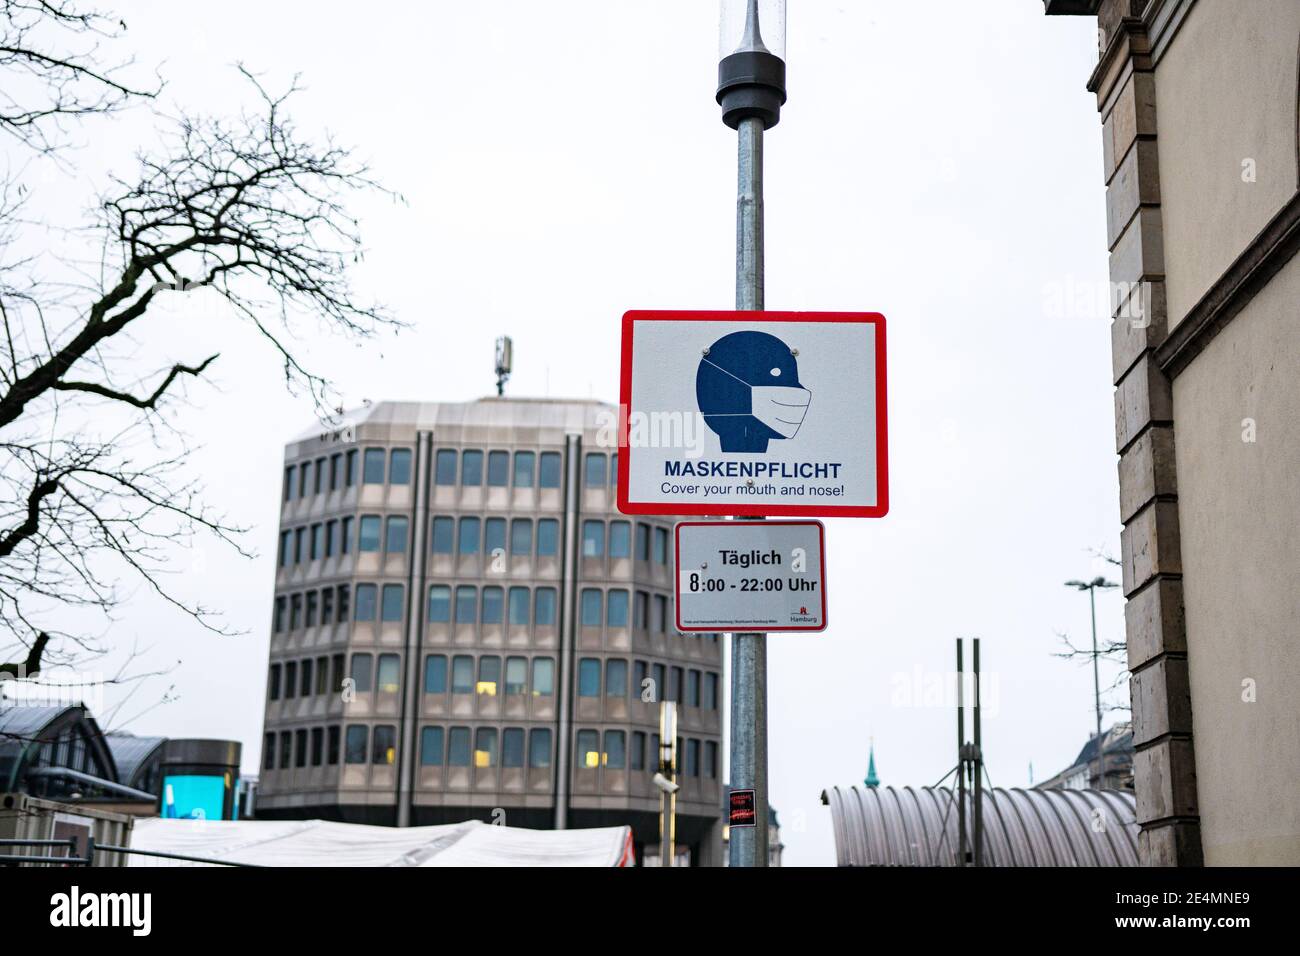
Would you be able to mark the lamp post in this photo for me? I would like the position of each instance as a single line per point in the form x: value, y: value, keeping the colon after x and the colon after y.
x: 1091, y: 588
x: 751, y: 91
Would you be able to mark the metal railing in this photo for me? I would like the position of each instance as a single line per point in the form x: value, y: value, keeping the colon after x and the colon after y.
x: 73, y: 859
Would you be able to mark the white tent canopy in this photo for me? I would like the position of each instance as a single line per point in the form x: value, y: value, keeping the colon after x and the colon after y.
x: 324, y: 843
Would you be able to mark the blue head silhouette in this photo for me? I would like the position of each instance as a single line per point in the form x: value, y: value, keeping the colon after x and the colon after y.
x: 748, y: 390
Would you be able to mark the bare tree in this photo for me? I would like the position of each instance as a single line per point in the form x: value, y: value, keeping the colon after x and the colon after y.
x: 92, y: 476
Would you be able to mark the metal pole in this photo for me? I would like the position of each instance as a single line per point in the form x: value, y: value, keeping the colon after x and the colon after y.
x: 748, y: 845
x: 977, y: 765
x: 961, y: 762
x: 1096, y: 688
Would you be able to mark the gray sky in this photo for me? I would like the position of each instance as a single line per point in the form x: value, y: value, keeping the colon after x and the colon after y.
x: 563, y: 162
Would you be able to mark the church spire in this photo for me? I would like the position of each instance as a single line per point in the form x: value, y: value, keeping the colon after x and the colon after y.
x: 872, y: 780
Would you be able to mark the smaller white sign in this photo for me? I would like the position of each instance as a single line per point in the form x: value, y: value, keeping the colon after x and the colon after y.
x: 751, y: 576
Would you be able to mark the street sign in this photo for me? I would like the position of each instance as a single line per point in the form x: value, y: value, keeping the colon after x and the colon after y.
x: 751, y: 576
x: 740, y: 808
x: 754, y: 414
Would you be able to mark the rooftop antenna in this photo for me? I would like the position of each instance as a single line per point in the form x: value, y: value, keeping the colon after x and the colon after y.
x: 505, y: 352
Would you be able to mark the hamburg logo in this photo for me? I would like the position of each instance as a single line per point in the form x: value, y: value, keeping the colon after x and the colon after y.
x: 748, y: 390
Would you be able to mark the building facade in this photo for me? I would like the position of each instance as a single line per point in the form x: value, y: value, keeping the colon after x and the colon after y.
x: 465, y: 627
x: 1199, y: 103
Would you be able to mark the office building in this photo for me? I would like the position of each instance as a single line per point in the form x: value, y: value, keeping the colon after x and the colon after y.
x: 465, y: 627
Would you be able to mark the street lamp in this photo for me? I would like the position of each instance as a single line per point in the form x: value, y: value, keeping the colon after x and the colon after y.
x: 751, y: 91
x: 1091, y: 588
x: 751, y: 61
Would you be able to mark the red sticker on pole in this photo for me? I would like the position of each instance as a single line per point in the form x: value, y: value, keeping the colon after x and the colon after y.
x: 741, y: 812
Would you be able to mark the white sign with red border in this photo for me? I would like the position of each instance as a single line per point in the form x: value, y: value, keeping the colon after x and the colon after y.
x: 754, y: 414
x: 751, y: 576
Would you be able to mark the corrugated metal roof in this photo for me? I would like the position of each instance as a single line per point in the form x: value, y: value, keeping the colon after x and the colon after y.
x: 917, y: 826
x: 22, y: 720
x: 130, y: 751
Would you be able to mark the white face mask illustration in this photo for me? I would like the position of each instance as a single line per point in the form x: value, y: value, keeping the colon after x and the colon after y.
x: 780, y: 407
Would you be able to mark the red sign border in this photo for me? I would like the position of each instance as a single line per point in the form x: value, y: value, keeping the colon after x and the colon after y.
x: 677, y: 580
x: 878, y: 510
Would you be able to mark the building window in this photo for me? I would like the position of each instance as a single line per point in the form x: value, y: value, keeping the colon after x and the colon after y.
x: 385, y: 749
x: 661, y: 545
x: 587, y: 749
x: 441, y: 539
x: 317, y: 746
x: 431, y: 747
x: 370, y: 531
x: 392, y: 610
x: 640, y: 671
x: 489, y: 675
x: 304, y: 479
x: 332, y: 745
x: 387, y: 676
x: 365, y: 602
x: 355, y: 750
x: 615, y: 677
x: 268, y: 752
x: 281, y: 607
x: 435, y: 674
x: 299, y: 544
x: 642, y: 542
x: 675, y: 684
x: 305, y: 688
x: 524, y: 461
x: 289, y: 472
x: 362, y: 670
x: 469, y: 532
x: 327, y: 606
x: 372, y: 467
x: 660, y: 679
x: 485, y: 748
x: 613, y: 469
x: 710, y: 691
x: 591, y: 607
x: 286, y: 547
x: 539, y: 748
x: 399, y: 467
x: 466, y: 604
x: 300, y: 748
x: 616, y: 609
x: 320, y: 475
x: 458, y: 747
x: 494, y: 535
x: 620, y: 539
x: 589, y: 677
x: 331, y: 537
x: 593, y: 539
x: 549, y: 470
x: 345, y: 536
x: 595, y: 471
x: 498, y: 469
x: 286, y: 749
x: 350, y: 469
x: 395, y: 539
x: 615, y: 749
x: 519, y: 607
x: 516, y: 675
x: 512, y: 747
x: 660, y: 621
x: 336, y: 468
x: 322, y: 674
x: 345, y: 592
x: 312, y: 602
x: 493, y: 599
x: 439, y: 604
x: 692, y: 757
x: 444, y: 468
x: 693, y: 688
x: 521, y: 536
x: 543, y: 676
x: 636, y: 756
x: 290, y: 679
x: 640, y: 612
x: 471, y: 468
x: 336, y: 671
x: 548, y: 537
x: 711, y: 759
x: 544, y: 607
x: 462, y: 674
x: 273, y: 683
